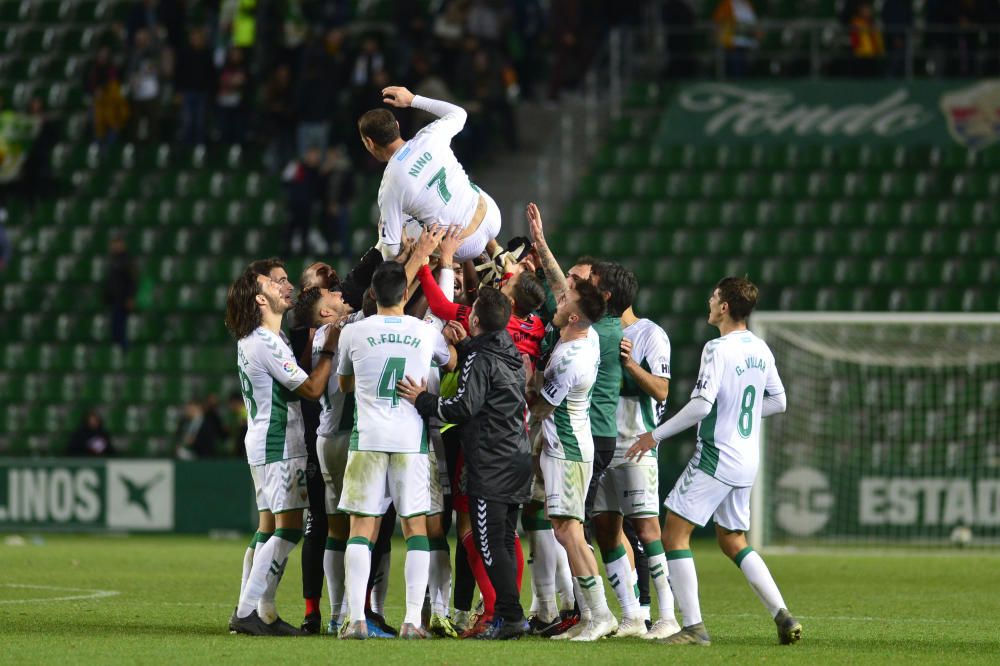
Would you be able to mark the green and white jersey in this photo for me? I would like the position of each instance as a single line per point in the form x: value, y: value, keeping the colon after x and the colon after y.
x: 637, y: 411
x: 737, y: 371
x: 337, y: 408
x: 604, y: 401
x: 269, y: 376
x: 569, y: 382
x: 379, y: 351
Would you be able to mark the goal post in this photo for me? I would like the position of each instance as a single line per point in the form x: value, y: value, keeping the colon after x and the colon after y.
x: 891, y: 435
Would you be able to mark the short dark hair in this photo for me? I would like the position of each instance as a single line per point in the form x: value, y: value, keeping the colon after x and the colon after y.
x: 529, y: 294
x: 590, y: 301
x: 305, y: 306
x: 586, y: 260
x: 741, y: 295
x: 380, y: 126
x: 368, y: 307
x: 264, y: 266
x: 493, y: 309
x: 619, y: 282
x: 243, y: 314
x: 389, y: 283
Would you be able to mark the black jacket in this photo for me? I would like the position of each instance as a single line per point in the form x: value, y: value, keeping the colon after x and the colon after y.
x: 489, y: 407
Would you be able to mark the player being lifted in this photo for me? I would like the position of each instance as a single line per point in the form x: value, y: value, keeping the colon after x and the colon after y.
x: 272, y: 384
x: 737, y: 385
x: 423, y: 180
x: 388, y: 454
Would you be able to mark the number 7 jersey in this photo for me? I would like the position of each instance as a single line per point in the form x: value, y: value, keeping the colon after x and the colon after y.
x: 380, y: 351
x: 737, y: 371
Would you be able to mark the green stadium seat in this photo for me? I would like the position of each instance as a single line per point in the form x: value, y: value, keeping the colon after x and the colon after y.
x: 903, y: 300
x: 848, y: 271
x: 957, y: 272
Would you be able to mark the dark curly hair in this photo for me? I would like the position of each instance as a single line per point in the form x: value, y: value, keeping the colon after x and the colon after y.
x: 242, y: 312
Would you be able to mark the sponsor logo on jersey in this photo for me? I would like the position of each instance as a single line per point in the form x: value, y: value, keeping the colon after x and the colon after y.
x: 289, y: 368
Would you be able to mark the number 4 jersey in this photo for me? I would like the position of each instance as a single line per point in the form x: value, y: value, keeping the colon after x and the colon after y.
x: 269, y: 376
x: 737, y: 371
x: 379, y: 351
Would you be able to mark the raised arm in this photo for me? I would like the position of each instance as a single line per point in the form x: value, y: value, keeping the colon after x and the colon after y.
x: 553, y: 273
x: 451, y: 118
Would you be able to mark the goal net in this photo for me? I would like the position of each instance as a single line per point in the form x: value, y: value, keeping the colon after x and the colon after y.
x: 892, y: 432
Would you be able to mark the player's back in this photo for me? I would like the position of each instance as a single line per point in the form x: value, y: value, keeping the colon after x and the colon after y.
x: 380, y: 351
x: 428, y: 182
x: 737, y: 370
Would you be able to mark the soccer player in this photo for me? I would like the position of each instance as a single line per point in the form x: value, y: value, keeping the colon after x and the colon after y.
x: 272, y: 385
x: 567, y: 459
x: 631, y: 489
x: 388, y: 450
x: 423, y: 180
x: 325, y: 310
x: 738, y: 384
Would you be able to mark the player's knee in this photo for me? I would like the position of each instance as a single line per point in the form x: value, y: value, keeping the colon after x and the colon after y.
x: 730, y: 542
x: 647, y: 530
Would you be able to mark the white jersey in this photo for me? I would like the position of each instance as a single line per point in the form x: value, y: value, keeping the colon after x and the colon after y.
x: 737, y: 371
x: 380, y: 351
x: 637, y: 411
x: 569, y: 381
x: 269, y: 376
x: 337, y: 408
x: 424, y: 181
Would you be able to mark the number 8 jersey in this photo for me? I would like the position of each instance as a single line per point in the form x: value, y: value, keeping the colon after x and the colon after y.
x: 737, y: 371
x: 379, y: 351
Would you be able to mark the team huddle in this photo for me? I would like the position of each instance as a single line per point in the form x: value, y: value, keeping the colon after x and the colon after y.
x: 461, y: 383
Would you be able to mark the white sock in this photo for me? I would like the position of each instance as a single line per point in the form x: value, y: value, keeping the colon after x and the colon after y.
x: 248, y: 562
x: 357, y: 566
x: 530, y: 536
x: 543, y: 573
x: 592, y: 592
x: 268, y: 565
x: 658, y: 571
x: 684, y: 582
x: 440, y: 577
x: 380, y: 585
x: 415, y: 573
x: 760, y: 579
x: 565, y: 585
x: 582, y: 601
x: 620, y: 576
x: 333, y: 569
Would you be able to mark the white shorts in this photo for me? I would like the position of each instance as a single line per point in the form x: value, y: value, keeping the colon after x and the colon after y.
x: 374, y: 478
x: 537, y: 482
x: 698, y: 496
x: 332, y: 454
x: 628, y: 488
x: 439, y: 483
x: 566, y: 484
x: 489, y: 228
x: 281, y: 486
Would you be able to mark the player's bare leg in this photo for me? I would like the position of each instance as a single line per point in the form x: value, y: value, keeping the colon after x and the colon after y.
x: 734, y: 545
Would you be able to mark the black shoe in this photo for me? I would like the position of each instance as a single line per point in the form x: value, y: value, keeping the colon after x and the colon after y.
x: 251, y: 625
x: 536, y: 625
x: 789, y: 629
x: 232, y: 622
x: 501, y: 630
x: 281, y: 628
x: 380, y: 622
x: 312, y: 624
x: 567, y: 620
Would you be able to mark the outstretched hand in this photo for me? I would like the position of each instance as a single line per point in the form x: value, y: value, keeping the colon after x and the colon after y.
x: 535, y: 223
x: 450, y: 243
x: 429, y: 240
x: 397, y: 96
x: 409, y: 389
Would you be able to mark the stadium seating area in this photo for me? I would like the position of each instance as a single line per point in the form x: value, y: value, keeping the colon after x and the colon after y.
x: 817, y: 227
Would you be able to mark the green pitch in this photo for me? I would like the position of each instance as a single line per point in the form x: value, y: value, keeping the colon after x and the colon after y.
x: 81, y: 599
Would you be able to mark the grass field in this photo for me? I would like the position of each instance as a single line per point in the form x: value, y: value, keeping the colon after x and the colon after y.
x: 98, y: 599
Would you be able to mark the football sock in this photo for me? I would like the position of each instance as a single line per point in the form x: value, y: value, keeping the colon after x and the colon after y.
x: 286, y: 540
x: 440, y: 576
x: 333, y: 569
x: 658, y: 572
x: 564, y: 578
x: 620, y: 577
x: 248, y: 561
x: 380, y: 584
x: 592, y: 594
x: 357, y: 566
x: 544, y: 573
x: 268, y: 565
x: 684, y: 582
x: 581, y: 601
x: 486, y: 590
x: 760, y: 579
x: 415, y: 572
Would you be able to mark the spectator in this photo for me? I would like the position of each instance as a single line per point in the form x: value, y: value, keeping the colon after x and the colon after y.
x: 304, y: 181
x: 314, y: 100
x: 866, y: 41
x: 231, y: 98
x: 897, y: 17
x: 736, y: 24
x: 110, y: 110
x: 172, y: 14
x: 339, y: 196
x: 142, y: 16
x: 213, y: 430
x: 145, y: 72
x: 119, y: 290
x: 367, y: 64
x: 194, y: 81
x: 279, y: 117
x: 484, y: 22
x: 236, y: 423
x: 187, y: 430
x: 90, y: 439
x: 566, y: 25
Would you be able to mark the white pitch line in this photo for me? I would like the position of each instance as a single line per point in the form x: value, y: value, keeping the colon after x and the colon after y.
x: 91, y: 594
x: 850, y: 618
